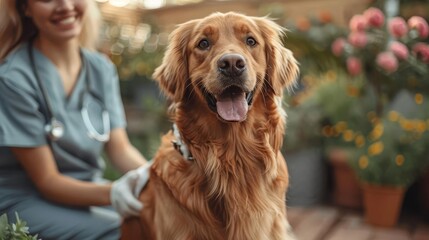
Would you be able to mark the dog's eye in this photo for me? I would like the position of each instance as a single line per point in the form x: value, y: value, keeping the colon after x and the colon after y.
x: 251, y: 41
x: 203, y: 44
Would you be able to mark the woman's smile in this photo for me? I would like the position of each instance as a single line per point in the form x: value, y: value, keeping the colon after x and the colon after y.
x: 57, y: 20
x: 66, y: 21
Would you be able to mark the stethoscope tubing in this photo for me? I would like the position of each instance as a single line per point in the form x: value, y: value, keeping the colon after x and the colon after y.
x: 40, y: 83
x: 54, y: 127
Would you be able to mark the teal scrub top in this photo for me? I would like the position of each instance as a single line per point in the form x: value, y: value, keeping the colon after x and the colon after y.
x: 23, y: 116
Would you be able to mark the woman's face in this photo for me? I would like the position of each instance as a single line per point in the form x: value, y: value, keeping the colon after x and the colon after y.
x: 57, y: 20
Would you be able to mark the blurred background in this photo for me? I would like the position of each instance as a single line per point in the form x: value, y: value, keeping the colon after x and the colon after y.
x: 358, y: 122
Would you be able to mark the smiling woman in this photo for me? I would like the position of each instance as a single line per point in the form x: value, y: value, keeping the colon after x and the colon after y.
x: 60, y: 107
x: 17, y: 26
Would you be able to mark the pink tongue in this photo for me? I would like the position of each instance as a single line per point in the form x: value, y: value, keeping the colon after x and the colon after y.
x: 232, y: 107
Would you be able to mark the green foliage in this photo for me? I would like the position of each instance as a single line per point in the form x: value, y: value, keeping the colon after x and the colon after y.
x: 303, y: 127
x: 325, y: 99
x: 310, y: 40
x: 14, y: 231
x: 344, y: 102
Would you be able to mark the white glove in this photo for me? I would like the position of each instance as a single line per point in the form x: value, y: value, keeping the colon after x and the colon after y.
x: 126, y: 190
x: 143, y: 173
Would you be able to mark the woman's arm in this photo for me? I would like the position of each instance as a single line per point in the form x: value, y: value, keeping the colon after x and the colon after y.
x: 40, y: 166
x: 122, y: 154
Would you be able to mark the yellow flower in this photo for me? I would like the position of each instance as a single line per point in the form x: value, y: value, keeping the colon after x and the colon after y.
x: 421, y: 126
x: 399, y: 159
x: 327, y: 131
x: 393, y: 116
x: 418, y: 98
x: 376, y: 148
x: 331, y: 75
x: 377, y: 131
x: 340, y: 126
x: 359, y: 141
x: 348, y: 135
x: 406, y: 124
x: 363, y: 162
x: 352, y: 91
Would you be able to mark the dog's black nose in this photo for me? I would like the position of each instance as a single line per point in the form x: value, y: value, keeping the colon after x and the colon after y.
x: 231, y: 65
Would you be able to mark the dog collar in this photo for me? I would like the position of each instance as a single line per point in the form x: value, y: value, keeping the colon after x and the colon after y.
x: 180, y: 146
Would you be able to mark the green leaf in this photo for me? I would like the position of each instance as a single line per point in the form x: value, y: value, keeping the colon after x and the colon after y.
x: 14, y: 231
x: 3, y: 226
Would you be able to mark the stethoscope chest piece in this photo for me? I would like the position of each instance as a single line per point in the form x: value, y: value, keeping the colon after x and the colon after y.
x: 55, y: 129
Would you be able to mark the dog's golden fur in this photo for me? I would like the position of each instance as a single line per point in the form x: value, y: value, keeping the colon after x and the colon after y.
x: 235, y: 187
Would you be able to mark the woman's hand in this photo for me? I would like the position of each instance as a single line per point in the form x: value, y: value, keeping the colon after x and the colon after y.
x: 126, y: 190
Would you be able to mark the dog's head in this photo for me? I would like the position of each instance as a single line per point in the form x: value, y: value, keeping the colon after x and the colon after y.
x: 226, y: 60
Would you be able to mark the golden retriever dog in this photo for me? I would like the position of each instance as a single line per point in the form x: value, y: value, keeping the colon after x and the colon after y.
x: 221, y: 174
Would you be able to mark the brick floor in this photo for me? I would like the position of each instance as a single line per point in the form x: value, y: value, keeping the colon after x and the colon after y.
x: 331, y: 223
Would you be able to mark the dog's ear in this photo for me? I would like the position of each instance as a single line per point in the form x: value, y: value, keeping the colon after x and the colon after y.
x: 282, y: 67
x: 172, y: 74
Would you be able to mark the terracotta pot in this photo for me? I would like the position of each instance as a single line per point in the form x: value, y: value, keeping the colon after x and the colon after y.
x: 347, y: 191
x: 382, y: 204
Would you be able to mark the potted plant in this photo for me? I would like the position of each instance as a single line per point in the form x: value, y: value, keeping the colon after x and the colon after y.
x: 393, y: 59
x: 322, y: 80
x: 303, y: 145
x: 391, y: 159
x: 342, y: 114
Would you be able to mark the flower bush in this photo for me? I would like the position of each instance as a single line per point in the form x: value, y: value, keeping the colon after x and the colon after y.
x: 392, y: 54
x: 391, y: 60
x: 392, y: 152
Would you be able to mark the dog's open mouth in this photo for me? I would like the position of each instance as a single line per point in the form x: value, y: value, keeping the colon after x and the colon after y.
x: 232, y: 104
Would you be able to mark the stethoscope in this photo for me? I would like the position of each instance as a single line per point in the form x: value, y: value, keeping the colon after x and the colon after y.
x: 55, y: 128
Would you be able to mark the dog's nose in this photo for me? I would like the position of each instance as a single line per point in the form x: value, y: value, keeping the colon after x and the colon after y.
x: 231, y: 65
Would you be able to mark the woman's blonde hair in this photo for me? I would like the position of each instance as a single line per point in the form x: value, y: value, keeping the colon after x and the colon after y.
x: 16, y: 27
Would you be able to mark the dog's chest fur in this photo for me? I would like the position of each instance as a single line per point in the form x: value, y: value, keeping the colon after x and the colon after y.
x: 235, y: 186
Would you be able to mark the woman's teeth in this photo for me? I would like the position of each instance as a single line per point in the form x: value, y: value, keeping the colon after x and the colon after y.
x: 67, y: 20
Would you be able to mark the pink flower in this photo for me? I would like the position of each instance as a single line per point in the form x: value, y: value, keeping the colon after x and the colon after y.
x: 399, y: 49
x: 387, y: 61
x: 354, y: 66
x: 337, y: 46
x: 422, y: 51
x: 397, y: 27
x: 420, y: 24
x: 358, y: 23
x: 358, y: 39
x: 374, y: 17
